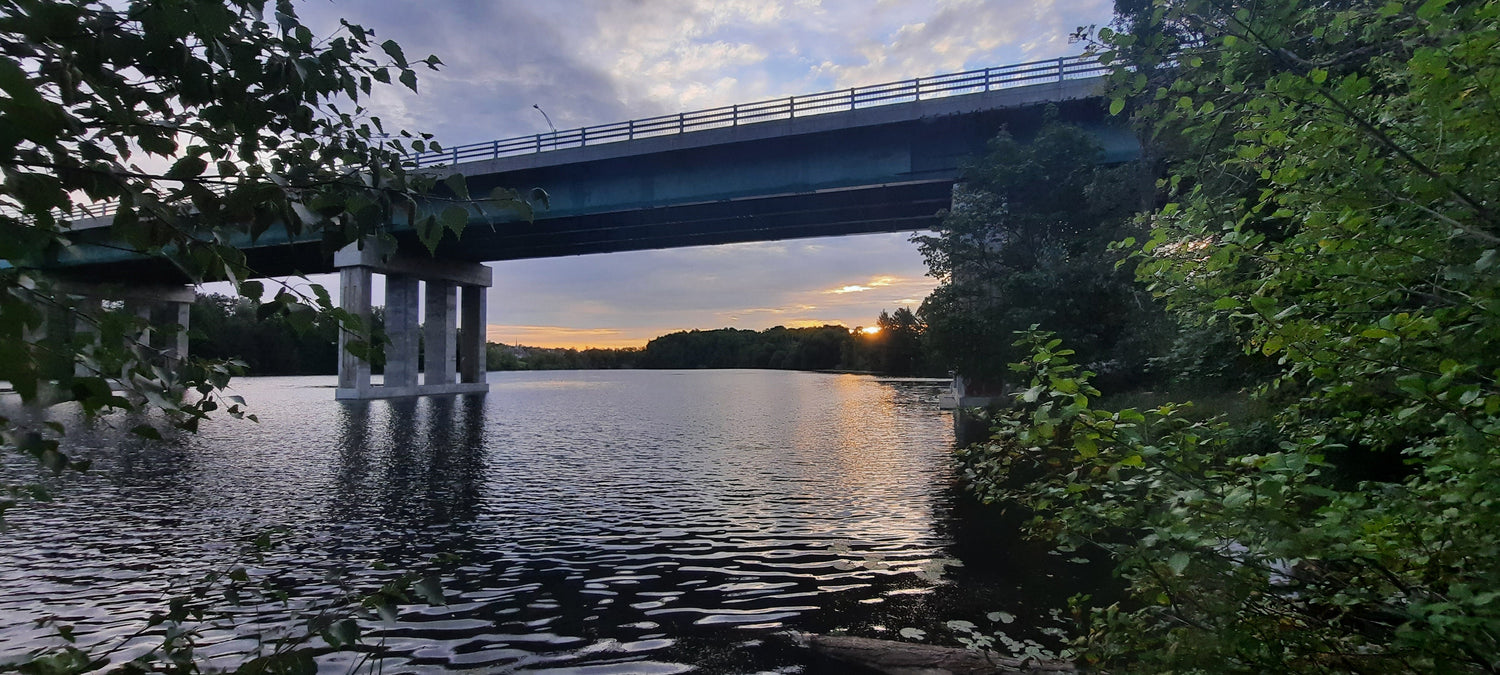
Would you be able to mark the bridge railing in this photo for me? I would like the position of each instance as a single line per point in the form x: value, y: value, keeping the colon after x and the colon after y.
x: 804, y: 105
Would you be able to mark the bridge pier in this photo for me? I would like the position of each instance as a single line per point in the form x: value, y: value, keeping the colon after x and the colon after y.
x: 453, y: 338
x: 74, y: 325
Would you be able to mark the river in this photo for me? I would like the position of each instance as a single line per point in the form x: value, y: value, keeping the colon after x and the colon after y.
x: 580, y: 522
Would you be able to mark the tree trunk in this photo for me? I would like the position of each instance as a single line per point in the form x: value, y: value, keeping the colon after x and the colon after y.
x: 905, y: 658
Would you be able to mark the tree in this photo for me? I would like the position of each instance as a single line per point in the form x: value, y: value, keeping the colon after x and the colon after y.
x: 200, y: 122
x: 779, y: 347
x: 901, y: 346
x: 1330, y: 205
x: 230, y: 328
x: 1025, y: 243
x: 195, y: 124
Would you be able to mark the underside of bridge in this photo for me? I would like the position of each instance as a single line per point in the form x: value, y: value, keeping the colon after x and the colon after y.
x: 887, y: 169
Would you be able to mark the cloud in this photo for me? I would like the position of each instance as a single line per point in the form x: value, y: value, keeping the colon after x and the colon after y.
x: 595, y: 63
x: 501, y: 58
x: 813, y: 323
x: 586, y: 62
x: 955, y: 35
x: 870, y: 285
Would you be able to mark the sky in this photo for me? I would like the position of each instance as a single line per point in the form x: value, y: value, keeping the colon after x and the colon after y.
x: 591, y: 62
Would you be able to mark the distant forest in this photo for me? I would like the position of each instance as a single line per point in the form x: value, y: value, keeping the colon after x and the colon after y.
x: 273, y: 344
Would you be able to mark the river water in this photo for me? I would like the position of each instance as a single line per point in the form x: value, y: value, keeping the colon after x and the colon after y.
x: 580, y: 522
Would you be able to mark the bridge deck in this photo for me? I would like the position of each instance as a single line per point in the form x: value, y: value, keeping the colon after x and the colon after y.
x: 816, y: 171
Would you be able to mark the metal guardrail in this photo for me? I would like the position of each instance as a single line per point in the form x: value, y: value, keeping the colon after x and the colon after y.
x: 904, y: 91
x: 805, y: 105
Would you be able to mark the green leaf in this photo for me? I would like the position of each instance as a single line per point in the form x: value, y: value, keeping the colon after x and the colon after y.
x: 429, y: 232
x: 1431, y: 9
x: 187, y: 167
x: 343, y: 633
x: 1486, y: 260
x: 1116, y: 105
x: 146, y: 431
x: 454, y: 219
x: 430, y: 588
x: 393, y: 49
x: 458, y: 185
x: 1178, y: 562
x: 385, y: 609
x: 252, y: 289
x: 158, y: 144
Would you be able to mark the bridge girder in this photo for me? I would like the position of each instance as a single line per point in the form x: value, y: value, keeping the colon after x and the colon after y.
x: 887, y: 169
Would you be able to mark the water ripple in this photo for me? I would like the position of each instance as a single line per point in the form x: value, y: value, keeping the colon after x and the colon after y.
x: 590, y: 522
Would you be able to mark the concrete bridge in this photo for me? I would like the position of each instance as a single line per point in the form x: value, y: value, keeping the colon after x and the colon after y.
x: 871, y: 159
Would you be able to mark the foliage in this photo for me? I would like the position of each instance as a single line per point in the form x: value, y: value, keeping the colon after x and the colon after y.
x: 213, y: 605
x: 1026, y: 243
x: 1330, y: 205
x: 899, y: 345
x: 301, y: 343
x: 505, y: 357
x: 1242, y: 554
x: 192, y: 127
x: 779, y: 347
x: 200, y: 126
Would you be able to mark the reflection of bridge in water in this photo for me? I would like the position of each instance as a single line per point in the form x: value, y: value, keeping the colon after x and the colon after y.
x: 881, y: 158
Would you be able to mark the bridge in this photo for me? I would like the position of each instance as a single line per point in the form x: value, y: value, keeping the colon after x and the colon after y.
x: 880, y: 158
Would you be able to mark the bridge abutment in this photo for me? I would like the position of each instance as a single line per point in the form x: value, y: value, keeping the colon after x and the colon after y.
x: 452, y: 332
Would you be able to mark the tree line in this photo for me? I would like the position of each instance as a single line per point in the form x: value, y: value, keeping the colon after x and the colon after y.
x: 276, y: 343
x: 893, y: 347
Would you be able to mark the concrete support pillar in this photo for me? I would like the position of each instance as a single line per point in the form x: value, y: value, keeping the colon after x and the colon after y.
x: 471, y: 334
x: 86, y: 332
x: 142, y: 311
x: 440, y: 334
x: 354, y: 298
x: 179, y: 349
x: 401, y: 308
x: 51, y: 342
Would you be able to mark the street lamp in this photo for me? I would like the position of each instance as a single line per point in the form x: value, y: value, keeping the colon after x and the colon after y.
x: 549, y: 124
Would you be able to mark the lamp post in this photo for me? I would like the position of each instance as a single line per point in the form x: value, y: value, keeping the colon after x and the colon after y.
x: 549, y: 124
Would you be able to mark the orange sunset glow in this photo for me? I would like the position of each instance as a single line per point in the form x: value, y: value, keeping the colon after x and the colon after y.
x: 852, y: 302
